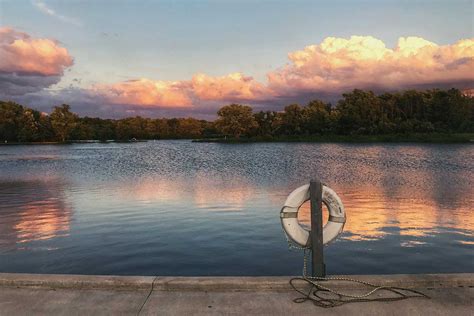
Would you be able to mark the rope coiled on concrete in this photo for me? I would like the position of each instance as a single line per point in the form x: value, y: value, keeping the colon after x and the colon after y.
x: 318, y: 294
x: 333, y: 298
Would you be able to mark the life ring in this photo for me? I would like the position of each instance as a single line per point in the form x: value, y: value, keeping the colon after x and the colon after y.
x: 289, y: 212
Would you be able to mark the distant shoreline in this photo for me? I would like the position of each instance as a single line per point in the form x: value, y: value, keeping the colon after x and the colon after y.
x: 462, y: 138
x: 91, y: 141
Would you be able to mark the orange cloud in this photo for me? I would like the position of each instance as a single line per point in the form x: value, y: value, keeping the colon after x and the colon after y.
x: 22, y: 54
x: 334, y: 66
x: 145, y: 92
x: 337, y: 65
x: 234, y: 86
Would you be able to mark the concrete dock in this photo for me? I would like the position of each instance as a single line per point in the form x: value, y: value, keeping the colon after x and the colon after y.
x: 39, y: 294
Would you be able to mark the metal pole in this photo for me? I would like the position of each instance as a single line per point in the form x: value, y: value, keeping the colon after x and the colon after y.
x: 316, y: 199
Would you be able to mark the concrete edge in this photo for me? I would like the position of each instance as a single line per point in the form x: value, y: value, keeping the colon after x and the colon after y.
x: 65, y: 281
x: 280, y: 283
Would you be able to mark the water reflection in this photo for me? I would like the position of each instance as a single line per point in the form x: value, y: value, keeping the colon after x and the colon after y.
x: 32, y: 211
x: 37, y: 210
x: 373, y: 212
x: 213, y: 194
x: 44, y: 220
x: 178, y: 208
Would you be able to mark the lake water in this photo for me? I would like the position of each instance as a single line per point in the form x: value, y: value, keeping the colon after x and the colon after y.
x: 183, y: 208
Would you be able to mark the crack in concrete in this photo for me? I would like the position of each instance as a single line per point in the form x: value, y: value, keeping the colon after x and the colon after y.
x: 148, y: 296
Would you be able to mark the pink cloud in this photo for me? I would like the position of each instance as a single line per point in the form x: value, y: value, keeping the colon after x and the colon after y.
x: 23, y: 54
x: 29, y: 64
x: 201, y: 88
x: 334, y: 66
x: 145, y: 92
x: 234, y: 86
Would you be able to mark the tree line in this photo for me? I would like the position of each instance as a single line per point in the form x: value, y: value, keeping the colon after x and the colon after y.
x: 22, y: 124
x: 356, y: 113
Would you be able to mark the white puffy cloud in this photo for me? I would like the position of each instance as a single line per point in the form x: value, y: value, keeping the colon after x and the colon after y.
x: 337, y: 65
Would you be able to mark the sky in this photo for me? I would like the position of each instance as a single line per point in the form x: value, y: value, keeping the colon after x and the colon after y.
x: 188, y: 58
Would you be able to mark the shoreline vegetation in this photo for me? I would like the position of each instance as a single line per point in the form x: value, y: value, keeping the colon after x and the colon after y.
x: 433, y: 138
x: 430, y: 116
x: 390, y: 138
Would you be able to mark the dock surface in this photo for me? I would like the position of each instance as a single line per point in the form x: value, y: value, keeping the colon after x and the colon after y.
x: 40, y: 294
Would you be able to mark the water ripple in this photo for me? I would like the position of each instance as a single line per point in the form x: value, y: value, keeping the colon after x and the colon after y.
x: 182, y: 208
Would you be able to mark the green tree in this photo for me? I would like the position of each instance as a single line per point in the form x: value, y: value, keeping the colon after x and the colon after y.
x: 63, y: 121
x: 190, y: 128
x: 236, y: 120
x: 46, y: 132
x: 84, y: 130
x: 29, y: 126
x: 360, y: 112
x: 268, y: 123
x: 10, y: 115
x: 173, y: 125
x: 317, y: 117
x: 390, y: 111
x: 449, y: 110
x: 412, y: 104
x: 125, y: 129
x: 209, y: 129
x: 292, y: 120
x: 161, y: 128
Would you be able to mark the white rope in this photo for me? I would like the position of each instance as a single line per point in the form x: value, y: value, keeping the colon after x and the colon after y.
x: 328, y: 302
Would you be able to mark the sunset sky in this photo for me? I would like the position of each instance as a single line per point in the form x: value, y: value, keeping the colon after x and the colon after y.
x: 188, y: 58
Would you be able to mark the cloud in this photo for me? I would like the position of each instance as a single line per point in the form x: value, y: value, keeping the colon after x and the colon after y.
x: 41, y: 6
x: 12, y: 84
x: 337, y: 65
x: 145, y: 92
x: 29, y: 64
x: 88, y: 102
x: 324, y: 70
x: 234, y: 86
x: 24, y: 55
x: 200, y: 89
